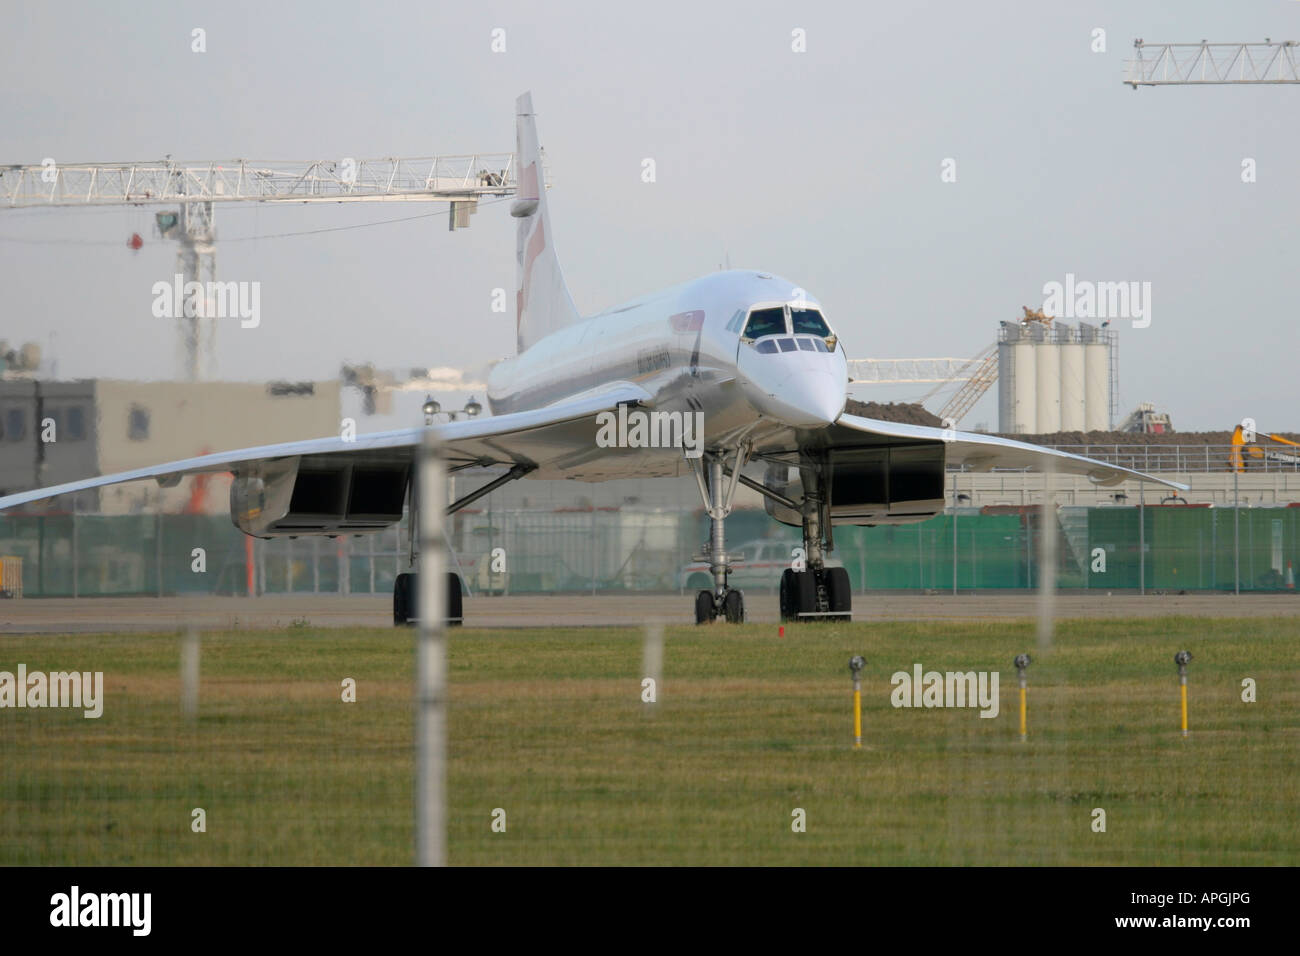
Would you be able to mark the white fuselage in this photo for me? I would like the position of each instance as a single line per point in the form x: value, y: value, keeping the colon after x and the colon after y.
x: 683, y: 346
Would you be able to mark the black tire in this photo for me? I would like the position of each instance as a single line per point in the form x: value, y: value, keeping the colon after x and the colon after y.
x: 839, y: 592
x: 798, y: 593
x: 455, y: 600
x: 405, y: 590
x: 704, y: 607
x: 403, y: 595
x: 788, y: 590
x: 733, y: 606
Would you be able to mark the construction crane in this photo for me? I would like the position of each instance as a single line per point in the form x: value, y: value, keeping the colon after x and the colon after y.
x: 196, y: 188
x: 377, y: 386
x: 980, y: 373
x: 1206, y: 64
x: 976, y: 375
x: 906, y: 371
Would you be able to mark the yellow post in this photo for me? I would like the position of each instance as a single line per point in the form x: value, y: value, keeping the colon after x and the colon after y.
x: 856, y: 663
x: 1022, y: 662
x: 1182, y: 688
x: 1182, y: 659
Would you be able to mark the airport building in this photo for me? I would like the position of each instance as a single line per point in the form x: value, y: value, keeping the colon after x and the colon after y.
x: 55, y: 432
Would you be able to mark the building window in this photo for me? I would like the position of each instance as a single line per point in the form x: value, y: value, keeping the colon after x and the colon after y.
x: 75, y: 423
x: 137, y: 427
x: 15, y: 424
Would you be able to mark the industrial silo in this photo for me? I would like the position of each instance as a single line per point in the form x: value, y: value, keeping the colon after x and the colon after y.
x: 1073, y: 404
x: 1096, y: 378
x: 1024, y: 384
x: 1017, y: 378
x: 1047, y: 402
x: 1007, y: 335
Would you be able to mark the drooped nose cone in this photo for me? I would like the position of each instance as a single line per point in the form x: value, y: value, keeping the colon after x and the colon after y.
x: 815, y: 397
x: 801, y: 389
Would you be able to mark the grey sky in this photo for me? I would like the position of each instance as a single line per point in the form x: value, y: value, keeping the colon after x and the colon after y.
x: 823, y: 167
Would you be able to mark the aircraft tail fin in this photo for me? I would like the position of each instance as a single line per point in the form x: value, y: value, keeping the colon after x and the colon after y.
x: 542, y: 300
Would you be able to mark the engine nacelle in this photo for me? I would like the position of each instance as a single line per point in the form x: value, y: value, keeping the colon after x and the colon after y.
x: 321, y: 495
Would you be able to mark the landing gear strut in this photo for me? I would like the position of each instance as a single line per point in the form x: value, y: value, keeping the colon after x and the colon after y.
x: 816, y: 592
x: 405, y: 587
x: 407, y: 584
x: 723, y: 601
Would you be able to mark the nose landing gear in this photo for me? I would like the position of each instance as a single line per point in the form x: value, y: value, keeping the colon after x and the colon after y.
x: 723, y: 601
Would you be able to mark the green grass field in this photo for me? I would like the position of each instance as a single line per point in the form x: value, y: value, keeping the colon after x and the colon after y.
x: 549, y: 726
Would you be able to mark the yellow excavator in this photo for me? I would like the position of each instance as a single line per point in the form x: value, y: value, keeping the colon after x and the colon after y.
x: 1256, y: 450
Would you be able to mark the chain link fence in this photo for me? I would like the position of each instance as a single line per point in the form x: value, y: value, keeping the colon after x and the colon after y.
x: 600, y: 550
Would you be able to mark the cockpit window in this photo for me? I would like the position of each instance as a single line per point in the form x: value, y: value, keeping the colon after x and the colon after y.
x: 809, y: 322
x: 765, y: 322
x: 787, y: 345
x: 766, y: 346
x: 807, y: 345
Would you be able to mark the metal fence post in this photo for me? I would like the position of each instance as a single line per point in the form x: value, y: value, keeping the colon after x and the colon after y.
x: 1236, y: 536
x: 158, y: 550
x: 954, y: 534
x: 431, y: 666
x: 1142, y: 538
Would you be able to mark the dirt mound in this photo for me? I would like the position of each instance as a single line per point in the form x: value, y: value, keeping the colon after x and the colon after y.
x: 905, y: 413
x: 1136, y: 438
x: 911, y: 413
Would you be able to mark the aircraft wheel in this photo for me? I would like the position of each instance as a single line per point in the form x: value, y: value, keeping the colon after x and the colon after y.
x: 798, y: 593
x: 455, y: 601
x: 405, y: 589
x: 704, y: 607
x: 734, y: 607
x: 839, y: 592
x: 403, y: 599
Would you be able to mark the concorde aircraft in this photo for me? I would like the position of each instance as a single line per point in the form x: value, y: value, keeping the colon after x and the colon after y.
x: 733, y: 372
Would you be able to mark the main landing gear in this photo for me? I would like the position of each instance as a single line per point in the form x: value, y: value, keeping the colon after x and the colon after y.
x: 406, y: 586
x: 816, y: 592
x: 809, y: 589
